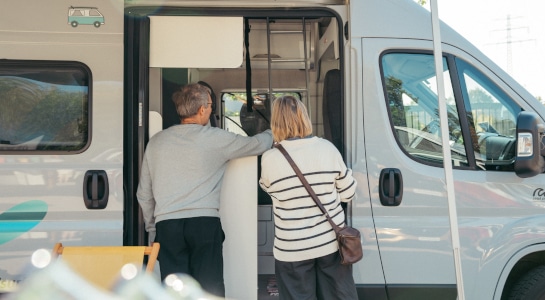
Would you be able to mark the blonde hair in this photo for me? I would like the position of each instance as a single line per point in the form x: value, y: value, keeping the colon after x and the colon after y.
x: 289, y: 119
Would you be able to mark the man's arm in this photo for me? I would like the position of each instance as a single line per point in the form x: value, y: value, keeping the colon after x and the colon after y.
x: 145, y: 198
x: 236, y: 146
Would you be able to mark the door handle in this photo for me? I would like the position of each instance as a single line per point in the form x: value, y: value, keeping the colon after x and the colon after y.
x: 95, y: 189
x: 390, y: 187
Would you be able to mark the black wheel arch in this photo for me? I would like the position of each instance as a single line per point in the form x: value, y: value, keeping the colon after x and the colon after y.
x: 520, y: 269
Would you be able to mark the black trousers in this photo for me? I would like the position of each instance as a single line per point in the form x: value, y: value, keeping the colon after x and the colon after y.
x: 318, y: 278
x: 193, y: 246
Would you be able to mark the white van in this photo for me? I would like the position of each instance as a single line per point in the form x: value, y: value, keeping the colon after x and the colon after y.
x: 78, y: 105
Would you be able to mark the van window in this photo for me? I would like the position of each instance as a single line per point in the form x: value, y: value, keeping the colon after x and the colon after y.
x: 45, y: 106
x: 492, y: 118
x: 410, y: 86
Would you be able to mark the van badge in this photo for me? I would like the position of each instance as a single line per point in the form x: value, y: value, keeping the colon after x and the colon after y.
x: 539, y: 194
x: 80, y: 15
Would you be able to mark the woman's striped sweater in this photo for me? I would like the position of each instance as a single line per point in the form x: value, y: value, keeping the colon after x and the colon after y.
x: 301, y: 231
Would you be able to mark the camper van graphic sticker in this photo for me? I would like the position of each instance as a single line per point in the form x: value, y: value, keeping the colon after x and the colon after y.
x: 85, y: 16
x: 20, y: 219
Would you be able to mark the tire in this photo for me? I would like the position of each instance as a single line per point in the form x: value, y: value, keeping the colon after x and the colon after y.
x: 531, y: 286
x: 74, y: 24
x: 97, y: 24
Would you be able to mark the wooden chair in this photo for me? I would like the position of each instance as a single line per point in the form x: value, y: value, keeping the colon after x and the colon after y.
x: 101, y: 265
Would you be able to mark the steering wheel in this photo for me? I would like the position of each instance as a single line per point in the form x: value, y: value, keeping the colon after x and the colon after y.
x: 434, y: 128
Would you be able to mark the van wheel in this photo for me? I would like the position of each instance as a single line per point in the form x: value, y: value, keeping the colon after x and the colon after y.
x: 74, y: 24
x: 530, y: 286
x: 97, y: 24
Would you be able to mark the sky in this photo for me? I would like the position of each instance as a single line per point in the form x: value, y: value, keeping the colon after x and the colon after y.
x: 485, y: 24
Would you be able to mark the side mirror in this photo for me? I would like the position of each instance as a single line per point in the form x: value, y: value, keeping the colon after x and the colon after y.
x: 530, y: 160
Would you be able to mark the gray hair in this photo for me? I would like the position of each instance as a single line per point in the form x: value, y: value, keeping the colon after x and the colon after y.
x: 190, y: 98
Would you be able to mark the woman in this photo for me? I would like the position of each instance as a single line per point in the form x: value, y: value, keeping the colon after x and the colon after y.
x: 307, y: 263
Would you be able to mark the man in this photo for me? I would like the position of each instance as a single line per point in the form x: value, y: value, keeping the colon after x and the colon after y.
x: 180, y: 185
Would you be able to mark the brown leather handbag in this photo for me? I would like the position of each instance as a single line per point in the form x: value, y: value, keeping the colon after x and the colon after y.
x: 349, y: 238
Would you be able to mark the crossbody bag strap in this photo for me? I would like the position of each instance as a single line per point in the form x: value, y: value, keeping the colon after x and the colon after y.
x: 307, y: 186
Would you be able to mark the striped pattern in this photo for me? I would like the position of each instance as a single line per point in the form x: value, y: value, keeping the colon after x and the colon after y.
x: 301, y: 231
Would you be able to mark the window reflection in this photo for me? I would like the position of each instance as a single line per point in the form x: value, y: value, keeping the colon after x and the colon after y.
x: 411, y: 92
x: 492, y: 117
x: 44, y: 106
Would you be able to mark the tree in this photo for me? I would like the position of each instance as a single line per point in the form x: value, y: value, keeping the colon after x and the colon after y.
x: 478, y: 95
x: 394, y: 94
x: 18, y: 97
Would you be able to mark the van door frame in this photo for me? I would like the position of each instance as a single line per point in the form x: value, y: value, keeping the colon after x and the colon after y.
x: 136, y: 89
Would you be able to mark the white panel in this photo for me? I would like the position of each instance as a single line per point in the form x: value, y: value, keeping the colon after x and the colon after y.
x: 196, y: 42
x: 155, y: 123
x: 238, y: 210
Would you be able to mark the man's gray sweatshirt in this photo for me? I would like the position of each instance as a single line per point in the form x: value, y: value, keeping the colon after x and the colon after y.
x: 183, y: 168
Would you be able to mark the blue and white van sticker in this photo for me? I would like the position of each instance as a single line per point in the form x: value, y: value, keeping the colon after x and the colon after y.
x: 20, y: 219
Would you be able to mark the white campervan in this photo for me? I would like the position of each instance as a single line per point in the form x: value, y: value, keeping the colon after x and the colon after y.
x: 79, y: 103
